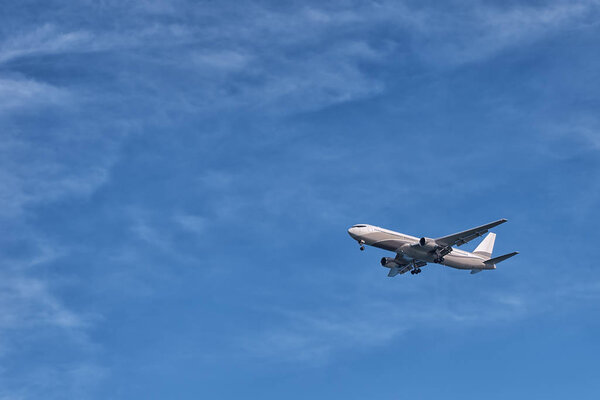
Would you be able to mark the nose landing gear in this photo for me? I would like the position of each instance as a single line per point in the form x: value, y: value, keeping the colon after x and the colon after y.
x: 361, y: 243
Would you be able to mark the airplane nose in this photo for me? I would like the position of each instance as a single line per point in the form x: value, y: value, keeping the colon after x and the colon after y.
x: 351, y: 231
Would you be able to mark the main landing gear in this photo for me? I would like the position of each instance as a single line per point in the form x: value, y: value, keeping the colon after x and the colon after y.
x: 361, y: 243
x: 440, y: 253
x: 416, y: 268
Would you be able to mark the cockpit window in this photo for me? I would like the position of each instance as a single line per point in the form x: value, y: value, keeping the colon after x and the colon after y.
x: 359, y: 226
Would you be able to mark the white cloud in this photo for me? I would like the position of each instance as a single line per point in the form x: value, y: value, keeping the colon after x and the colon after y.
x: 585, y: 128
x: 221, y: 60
x: 35, y: 173
x: 272, y: 62
x: 27, y: 302
x: 17, y: 93
x: 30, y: 312
x: 193, y: 223
x: 315, y: 337
x: 356, y: 323
x: 485, y: 31
x: 45, y: 39
x: 307, y: 57
x: 75, y: 380
x: 147, y: 233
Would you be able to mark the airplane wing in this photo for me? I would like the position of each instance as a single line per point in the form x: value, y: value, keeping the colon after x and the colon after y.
x: 463, y: 237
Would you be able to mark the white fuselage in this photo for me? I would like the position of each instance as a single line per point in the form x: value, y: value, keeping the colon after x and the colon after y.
x: 407, y: 247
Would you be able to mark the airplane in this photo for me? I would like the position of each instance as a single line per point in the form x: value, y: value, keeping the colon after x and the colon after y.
x: 413, y: 253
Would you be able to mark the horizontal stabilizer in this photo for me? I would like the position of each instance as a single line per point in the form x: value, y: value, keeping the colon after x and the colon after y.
x: 496, y: 260
x: 474, y: 271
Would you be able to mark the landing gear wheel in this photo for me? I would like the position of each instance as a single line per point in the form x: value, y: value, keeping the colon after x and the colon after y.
x: 361, y: 244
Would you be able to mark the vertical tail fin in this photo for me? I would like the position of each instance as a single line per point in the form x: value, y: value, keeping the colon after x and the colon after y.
x: 486, y: 246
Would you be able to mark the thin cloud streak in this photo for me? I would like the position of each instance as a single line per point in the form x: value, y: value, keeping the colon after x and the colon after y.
x: 316, y: 337
x: 18, y: 93
x: 243, y: 71
x: 156, y: 64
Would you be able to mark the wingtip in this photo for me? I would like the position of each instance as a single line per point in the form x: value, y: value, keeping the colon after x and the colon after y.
x: 503, y: 220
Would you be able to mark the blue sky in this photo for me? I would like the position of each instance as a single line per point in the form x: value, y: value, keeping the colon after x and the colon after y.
x: 177, y: 178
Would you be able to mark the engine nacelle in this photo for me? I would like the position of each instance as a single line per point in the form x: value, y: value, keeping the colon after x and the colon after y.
x: 428, y: 244
x: 388, y: 262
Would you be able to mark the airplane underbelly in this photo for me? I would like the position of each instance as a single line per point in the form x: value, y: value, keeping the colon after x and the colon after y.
x: 418, y: 254
x: 384, y: 241
x: 390, y: 245
x: 463, y: 262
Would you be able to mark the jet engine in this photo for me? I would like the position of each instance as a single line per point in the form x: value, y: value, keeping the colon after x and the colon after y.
x: 388, y: 262
x: 428, y: 244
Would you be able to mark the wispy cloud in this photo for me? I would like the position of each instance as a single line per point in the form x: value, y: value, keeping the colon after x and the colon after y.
x: 32, y: 312
x: 315, y: 337
x: 71, y: 91
x: 584, y: 129
x: 193, y: 223
x: 309, y: 57
x: 28, y: 302
x: 17, y: 93
x: 485, y: 30
x: 42, y: 40
x: 360, y: 323
x: 76, y: 380
x: 33, y: 174
x: 267, y: 62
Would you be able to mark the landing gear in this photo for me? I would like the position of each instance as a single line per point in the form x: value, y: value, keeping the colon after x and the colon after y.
x: 440, y: 253
x: 416, y: 268
x: 361, y: 243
